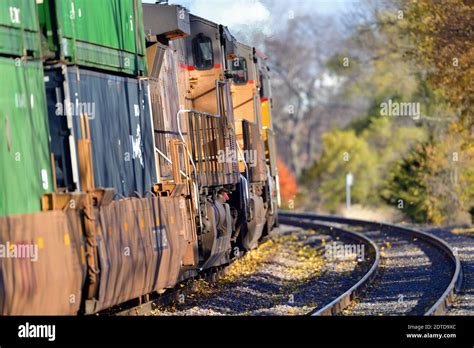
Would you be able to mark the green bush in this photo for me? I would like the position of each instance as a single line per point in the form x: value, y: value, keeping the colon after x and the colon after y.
x: 343, y: 152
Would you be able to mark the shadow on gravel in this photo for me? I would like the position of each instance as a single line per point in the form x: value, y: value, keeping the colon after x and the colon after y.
x: 411, y: 277
x: 276, y: 288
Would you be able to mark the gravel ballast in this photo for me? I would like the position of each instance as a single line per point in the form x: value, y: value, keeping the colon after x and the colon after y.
x: 287, y: 275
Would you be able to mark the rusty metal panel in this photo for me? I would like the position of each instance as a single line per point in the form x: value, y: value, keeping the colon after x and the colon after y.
x: 141, y: 242
x: 52, y: 284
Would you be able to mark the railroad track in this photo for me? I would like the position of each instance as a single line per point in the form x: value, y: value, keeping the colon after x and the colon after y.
x: 343, y: 300
x: 369, y: 273
x: 429, y: 283
x: 330, y: 283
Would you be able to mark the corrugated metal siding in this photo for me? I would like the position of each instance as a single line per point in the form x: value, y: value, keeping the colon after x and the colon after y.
x: 112, y: 23
x: 140, y: 247
x: 20, y: 14
x: 105, y: 34
x: 120, y: 124
x: 51, y: 285
x: 120, y: 127
x: 25, y: 166
x: 19, y: 28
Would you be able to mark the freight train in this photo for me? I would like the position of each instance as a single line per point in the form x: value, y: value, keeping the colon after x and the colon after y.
x: 136, y: 151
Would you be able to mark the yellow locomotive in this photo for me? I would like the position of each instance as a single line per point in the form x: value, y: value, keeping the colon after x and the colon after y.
x: 219, y: 102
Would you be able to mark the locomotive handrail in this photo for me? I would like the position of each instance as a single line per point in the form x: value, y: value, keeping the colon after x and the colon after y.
x: 201, y: 113
x: 196, y: 189
x: 170, y: 161
x: 182, y: 137
x: 247, y: 188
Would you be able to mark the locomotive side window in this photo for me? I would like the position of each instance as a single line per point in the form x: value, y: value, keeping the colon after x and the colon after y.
x: 202, y: 52
x: 239, y: 71
x: 262, y: 86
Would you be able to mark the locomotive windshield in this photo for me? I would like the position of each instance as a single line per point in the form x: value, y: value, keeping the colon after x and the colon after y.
x: 202, y: 52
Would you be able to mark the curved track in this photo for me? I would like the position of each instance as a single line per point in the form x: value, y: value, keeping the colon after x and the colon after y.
x: 342, y: 301
x: 332, y: 282
x: 430, y: 276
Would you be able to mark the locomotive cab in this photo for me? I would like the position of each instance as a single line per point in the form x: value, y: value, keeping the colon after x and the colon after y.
x: 204, y: 63
x: 210, y: 138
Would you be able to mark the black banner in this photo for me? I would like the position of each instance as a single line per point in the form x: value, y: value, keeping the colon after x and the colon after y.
x: 347, y: 331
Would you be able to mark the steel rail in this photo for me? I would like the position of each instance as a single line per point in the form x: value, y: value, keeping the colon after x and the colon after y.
x: 343, y: 300
x: 443, y: 302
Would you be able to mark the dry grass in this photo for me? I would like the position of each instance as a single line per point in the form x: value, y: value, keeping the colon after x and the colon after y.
x: 468, y: 231
x: 382, y: 214
x: 305, y: 257
x: 252, y: 260
x: 287, y: 255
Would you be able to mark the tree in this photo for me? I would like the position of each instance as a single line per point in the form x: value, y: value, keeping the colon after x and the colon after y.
x: 443, y: 33
x: 306, y: 100
x: 433, y: 183
x: 288, y: 184
x: 407, y: 187
x: 343, y: 153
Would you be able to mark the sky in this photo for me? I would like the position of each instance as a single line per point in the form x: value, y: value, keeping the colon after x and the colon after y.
x: 246, y: 15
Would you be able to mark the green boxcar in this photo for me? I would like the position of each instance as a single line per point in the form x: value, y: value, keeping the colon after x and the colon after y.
x: 19, y: 28
x: 25, y: 165
x: 103, y: 34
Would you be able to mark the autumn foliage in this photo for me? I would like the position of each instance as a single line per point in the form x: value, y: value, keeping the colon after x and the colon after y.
x: 415, y: 51
x: 288, y: 183
x: 443, y: 32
